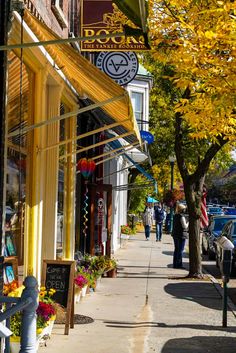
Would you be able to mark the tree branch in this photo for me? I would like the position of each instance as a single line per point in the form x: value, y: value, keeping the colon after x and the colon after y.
x: 203, y: 166
x: 179, y: 142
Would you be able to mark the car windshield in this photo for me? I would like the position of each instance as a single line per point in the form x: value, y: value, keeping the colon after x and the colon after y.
x: 219, y: 223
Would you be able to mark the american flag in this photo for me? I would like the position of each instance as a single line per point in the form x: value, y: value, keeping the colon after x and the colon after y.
x: 204, y: 217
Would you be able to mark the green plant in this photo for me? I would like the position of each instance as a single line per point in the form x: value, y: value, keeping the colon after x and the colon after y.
x: 98, y: 264
x: 103, y: 263
x: 15, y: 324
x: 112, y: 264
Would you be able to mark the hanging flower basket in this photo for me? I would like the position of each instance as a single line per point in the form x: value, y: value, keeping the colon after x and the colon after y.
x: 172, y: 196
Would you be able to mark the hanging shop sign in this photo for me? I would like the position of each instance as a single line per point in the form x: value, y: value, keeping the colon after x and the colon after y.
x: 147, y: 136
x: 103, y: 17
x: 122, y: 67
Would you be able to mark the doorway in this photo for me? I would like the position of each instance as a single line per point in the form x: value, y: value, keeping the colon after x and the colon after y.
x: 101, y: 219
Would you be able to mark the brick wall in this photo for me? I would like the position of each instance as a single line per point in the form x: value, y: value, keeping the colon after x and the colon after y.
x: 44, y: 8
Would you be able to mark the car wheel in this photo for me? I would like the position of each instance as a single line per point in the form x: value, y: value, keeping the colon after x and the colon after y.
x: 211, y: 255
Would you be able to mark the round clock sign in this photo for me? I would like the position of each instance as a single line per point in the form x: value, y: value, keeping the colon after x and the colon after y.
x: 122, y: 67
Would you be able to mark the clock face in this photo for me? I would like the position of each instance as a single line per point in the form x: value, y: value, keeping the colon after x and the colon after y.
x: 122, y: 67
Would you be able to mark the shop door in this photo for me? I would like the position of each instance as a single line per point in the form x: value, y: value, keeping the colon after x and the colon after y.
x: 100, y: 220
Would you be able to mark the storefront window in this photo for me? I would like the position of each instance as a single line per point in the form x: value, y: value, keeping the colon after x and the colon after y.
x: 17, y: 114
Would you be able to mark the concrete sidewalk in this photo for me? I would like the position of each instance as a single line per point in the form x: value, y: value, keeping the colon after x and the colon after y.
x: 146, y: 309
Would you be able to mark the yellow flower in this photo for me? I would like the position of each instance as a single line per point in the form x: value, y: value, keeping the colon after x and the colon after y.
x: 42, y: 288
x: 52, y: 291
x: 17, y: 292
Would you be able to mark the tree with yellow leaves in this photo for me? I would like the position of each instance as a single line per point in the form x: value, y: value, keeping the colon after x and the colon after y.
x: 195, y: 42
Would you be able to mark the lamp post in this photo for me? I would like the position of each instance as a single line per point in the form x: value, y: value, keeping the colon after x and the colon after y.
x: 172, y: 160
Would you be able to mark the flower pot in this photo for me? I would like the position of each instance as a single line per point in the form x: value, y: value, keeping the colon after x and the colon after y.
x: 83, y: 291
x: 112, y: 273
x: 98, y: 282
x: 51, y: 324
x: 15, y: 344
x: 124, y: 236
x: 77, y: 294
x: 46, y: 332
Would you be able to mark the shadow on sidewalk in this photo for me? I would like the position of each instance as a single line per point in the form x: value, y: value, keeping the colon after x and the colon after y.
x: 203, y: 293
x: 200, y: 344
x: 129, y: 324
x: 131, y: 272
x: 170, y: 253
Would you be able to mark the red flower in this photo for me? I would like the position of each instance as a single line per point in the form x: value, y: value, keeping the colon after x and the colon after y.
x: 45, y: 310
x: 80, y: 281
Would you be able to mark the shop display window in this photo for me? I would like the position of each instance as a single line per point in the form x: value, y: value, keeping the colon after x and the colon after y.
x: 17, y: 120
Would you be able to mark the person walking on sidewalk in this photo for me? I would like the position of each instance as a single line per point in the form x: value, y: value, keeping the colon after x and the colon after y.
x: 159, y: 214
x: 148, y: 220
x: 179, y: 234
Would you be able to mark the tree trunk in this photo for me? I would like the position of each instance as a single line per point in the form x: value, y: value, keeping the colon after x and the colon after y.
x: 193, y: 185
x: 193, y: 199
x: 195, y: 265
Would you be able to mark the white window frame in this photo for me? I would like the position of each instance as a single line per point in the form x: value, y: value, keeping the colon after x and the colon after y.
x: 58, y: 12
x: 136, y: 87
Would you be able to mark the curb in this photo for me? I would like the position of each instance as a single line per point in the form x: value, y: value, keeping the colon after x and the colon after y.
x: 219, y: 289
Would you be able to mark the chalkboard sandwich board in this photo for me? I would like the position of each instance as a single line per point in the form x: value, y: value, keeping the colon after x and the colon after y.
x: 59, y: 275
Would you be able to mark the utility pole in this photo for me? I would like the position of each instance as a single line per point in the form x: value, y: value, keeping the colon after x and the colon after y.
x: 4, y: 21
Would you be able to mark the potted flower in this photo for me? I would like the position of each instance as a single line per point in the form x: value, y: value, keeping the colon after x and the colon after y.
x: 98, y: 264
x: 10, y: 287
x: 80, y: 282
x: 126, y: 229
x: 111, y: 268
x: 86, y: 273
x: 46, y: 312
x: 12, y: 290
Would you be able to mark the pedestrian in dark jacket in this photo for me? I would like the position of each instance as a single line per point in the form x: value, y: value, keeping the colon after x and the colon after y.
x: 159, y: 218
x: 179, y: 234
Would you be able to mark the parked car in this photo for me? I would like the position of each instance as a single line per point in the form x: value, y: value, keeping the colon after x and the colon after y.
x: 229, y: 231
x: 211, y: 233
x: 229, y: 211
x: 212, y: 211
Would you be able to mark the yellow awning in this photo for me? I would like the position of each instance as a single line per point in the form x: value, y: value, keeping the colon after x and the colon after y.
x: 88, y: 80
